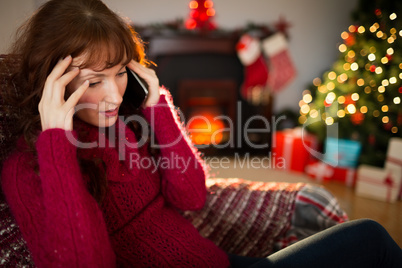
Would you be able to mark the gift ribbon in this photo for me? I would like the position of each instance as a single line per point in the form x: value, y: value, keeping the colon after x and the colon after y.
x: 320, y: 170
x: 350, y: 174
x: 398, y: 162
x: 394, y: 160
x: 388, y: 181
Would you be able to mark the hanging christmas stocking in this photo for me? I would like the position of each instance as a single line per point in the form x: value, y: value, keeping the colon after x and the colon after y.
x: 281, y: 67
x: 256, y: 71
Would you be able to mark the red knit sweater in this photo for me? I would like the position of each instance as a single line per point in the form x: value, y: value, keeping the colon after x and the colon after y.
x: 137, y: 225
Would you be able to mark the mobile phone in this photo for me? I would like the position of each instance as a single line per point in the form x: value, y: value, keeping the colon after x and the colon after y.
x: 137, y: 89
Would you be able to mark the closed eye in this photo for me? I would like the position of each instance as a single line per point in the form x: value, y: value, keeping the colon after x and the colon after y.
x: 122, y: 73
x: 93, y: 84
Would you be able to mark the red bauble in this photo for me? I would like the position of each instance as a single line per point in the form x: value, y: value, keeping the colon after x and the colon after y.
x: 357, y: 118
x: 348, y: 100
x: 389, y: 57
x: 351, y: 40
x: 372, y: 68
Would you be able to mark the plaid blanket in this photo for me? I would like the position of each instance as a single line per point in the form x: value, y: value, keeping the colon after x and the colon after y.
x: 316, y: 209
x: 258, y: 218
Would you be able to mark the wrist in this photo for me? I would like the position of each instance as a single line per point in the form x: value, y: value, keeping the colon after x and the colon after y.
x: 151, y: 101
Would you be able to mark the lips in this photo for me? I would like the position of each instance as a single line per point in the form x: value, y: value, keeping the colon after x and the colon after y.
x: 111, y: 113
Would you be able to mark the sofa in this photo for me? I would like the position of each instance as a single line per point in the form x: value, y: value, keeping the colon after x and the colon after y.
x: 240, y: 216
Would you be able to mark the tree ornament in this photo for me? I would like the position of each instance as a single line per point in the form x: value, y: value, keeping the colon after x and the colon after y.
x: 357, y: 118
x: 348, y: 100
x: 351, y: 40
x: 326, y: 104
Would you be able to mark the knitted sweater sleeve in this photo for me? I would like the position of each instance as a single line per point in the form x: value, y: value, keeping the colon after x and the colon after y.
x: 59, y: 219
x: 182, y: 170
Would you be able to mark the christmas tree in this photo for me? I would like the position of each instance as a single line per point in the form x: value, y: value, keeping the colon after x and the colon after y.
x: 363, y: 90
x: 201, y: 15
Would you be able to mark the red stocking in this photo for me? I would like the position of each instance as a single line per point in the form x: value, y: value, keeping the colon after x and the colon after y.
x: 256, y: 71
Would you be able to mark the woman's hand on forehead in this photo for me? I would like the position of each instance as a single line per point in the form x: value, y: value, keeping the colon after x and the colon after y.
x: 54, y: 110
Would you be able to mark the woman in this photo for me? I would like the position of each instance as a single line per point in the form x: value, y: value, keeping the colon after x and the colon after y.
x: 77, y: 183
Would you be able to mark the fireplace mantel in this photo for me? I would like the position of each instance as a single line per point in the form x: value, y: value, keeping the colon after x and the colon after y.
x: 167, y: 45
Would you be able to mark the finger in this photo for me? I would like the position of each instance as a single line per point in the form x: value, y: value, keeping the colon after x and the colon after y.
x: 75, y: 97
x: 69, y: 76
x: 47, y: 89
x: 60, y: 68
x: 136, y: 67
x: 134, y: 64
x: 57, y: 71
x: 145, y: 73
x: 61, y: 83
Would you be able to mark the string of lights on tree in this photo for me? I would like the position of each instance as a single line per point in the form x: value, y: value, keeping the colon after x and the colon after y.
x: 363, y: 90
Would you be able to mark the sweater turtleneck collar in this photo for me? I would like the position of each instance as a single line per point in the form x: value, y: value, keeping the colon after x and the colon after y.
x: 115, y: 145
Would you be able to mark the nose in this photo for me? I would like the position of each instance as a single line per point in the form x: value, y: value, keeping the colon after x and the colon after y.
x: 113, y: 93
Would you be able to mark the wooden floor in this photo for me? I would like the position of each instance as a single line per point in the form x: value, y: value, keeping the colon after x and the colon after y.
x: 387, y: 214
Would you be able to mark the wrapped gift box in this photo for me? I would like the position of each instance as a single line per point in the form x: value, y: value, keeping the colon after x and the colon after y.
x: 323, y: 172
x: 378, y: 183
x: 341, y: 152
x: 320, y: 171
x: 345, y: 175
x: 394, y: 158
x: 293, y: 146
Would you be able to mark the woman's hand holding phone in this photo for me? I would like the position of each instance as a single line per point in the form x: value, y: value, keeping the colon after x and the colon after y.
x: 54, y: 110
x: 149, y: 76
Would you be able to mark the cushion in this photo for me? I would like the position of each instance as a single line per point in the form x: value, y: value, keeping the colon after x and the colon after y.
x: 247, y: 218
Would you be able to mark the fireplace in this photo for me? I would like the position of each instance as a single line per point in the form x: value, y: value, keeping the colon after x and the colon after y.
x: 209, y: 108
x: 204, y: 75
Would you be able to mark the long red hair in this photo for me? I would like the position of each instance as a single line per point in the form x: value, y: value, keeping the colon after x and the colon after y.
x: 56, y: 30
